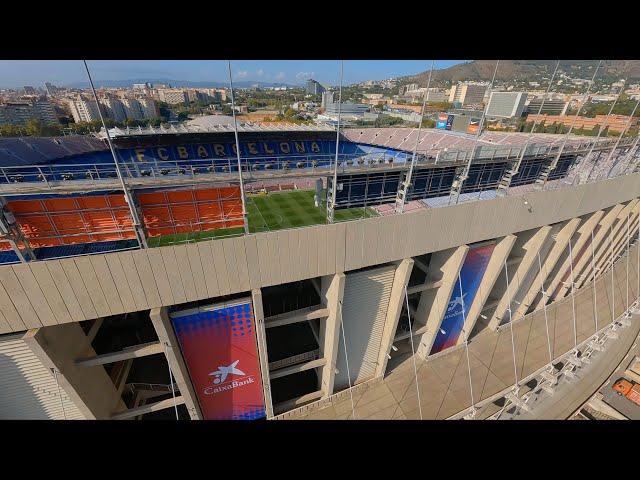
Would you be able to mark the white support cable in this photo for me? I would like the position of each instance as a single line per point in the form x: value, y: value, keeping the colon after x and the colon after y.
x: 628, y: 255
x: 593, y: 281
x: 173, y: 392
x: 407, y: 180
x: 477, y: 139
x: 613, y: 292
x: 55, y: 376
x: 334, y: 183
x: 235, y: 131
x: 601, y: 129
x: 535, y: 123
x: 513, y: 343
x: 466, y: 347
x: 624, y: 130
x: 137, y: 224
x: 573, y: 297
x: 413, y: 352
x: 346, y: 360
x: 566, y: 135
x: 544, y: 306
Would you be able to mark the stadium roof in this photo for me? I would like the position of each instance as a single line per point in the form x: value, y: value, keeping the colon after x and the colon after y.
x: 214, y: 128
x: 434, y: 140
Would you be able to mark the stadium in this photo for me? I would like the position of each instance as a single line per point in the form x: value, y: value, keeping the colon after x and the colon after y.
x: 381, y: 273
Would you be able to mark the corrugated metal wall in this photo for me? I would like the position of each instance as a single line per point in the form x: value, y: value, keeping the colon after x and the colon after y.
x: 28, y: 389
x: 365, y: 305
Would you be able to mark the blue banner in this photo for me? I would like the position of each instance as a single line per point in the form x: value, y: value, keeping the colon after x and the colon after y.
x: 462, y: 297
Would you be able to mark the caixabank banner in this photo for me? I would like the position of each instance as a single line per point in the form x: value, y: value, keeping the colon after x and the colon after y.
x: 219, y: 346
x: 463, y: 294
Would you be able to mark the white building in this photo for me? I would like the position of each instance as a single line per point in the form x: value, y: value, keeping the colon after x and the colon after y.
x: 132, y: 109
x: 84, y: 110
x: 113, y: 108
x: 149, y: 107
x: 468, y: 93
x: 506, y: 104
x: 327, y: 98
x: 173, y: 96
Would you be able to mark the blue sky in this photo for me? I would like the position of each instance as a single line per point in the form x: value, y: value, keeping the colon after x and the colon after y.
x: 17, y: 73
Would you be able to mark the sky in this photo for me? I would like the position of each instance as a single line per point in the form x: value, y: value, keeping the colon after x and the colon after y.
x: 18, y: 73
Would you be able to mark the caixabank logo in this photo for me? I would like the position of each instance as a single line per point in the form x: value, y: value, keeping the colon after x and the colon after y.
x: 219, y: 378
x: 219, y: 345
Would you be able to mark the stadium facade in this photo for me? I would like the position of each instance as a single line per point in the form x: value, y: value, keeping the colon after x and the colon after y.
x: 515, y: 257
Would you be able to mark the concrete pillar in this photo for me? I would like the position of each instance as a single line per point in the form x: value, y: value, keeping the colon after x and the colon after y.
x: 396, y: 301
x: 619, y: 244
x: 261, y: 335
x: 613, y: 233
x: 518, y: 273
x: 444, y: 266
x: 494, y: 268
x: 89, y: 388
x: 547, y: 265
x: 583, y: 239
x: 332, y: 288
x: 166, y: 336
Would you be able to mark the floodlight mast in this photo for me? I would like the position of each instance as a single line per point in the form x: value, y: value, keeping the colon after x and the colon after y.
x: 137, y: 224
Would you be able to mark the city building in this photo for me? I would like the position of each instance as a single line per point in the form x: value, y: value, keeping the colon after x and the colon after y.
x: 314, y: 88
x: 468, y: 93
x: 173, y: 96
x: 83, y: 109
x: 506, y: 104
x: 20, y: 112
x: 347, y: 109
x: 615, y: 123
x: 132, y: 108
x: 327, y: 98
x: 113, y: 108
x: 149, y: 107
x: 434, y: 95
x: 51, y: 89
x: 550, y: 106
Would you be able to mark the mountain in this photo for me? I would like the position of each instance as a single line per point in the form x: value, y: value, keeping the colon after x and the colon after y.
x: 527, y: 70
x: 176, y: 83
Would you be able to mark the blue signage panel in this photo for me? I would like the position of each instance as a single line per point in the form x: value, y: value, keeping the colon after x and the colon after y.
x: 462, y: 296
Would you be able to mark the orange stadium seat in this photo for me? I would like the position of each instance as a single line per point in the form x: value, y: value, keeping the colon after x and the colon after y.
x: 73, y: 220
x: 185, y: 211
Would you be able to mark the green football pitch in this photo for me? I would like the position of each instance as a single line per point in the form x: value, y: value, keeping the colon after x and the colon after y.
x: 273, y: 211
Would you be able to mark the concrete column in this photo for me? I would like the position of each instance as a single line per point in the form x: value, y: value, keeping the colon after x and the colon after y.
x: 518, y: 273
x: 263, y: 355
x: 166, y: 336
x: 583, y: 239
x: 396, y: 301
x: 332, y: 288
x: 494, y: 268
x: 619, y: 243
x: 444, y: 266
x: 547, y: 265
x: 615, y: 233
x: 89, y: 388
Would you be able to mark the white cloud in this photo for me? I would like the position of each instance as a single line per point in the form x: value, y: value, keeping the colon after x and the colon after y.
x: 280, y: 76
x: 305, y: 75
x: 260, y: 73
x: 242, y: 74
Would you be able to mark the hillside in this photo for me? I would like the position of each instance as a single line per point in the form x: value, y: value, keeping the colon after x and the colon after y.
x: 527, y: 70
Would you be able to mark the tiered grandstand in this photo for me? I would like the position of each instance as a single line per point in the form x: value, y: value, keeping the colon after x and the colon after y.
x: 431, y: 280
